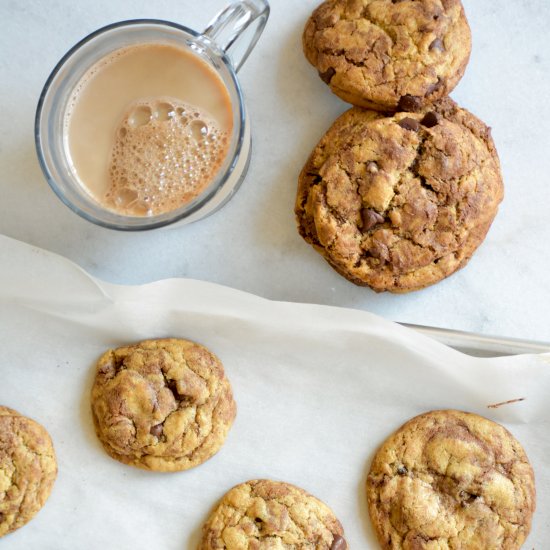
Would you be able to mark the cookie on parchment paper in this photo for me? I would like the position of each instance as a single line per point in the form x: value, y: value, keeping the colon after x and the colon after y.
x: 163, y: 405
x: 389, y: 55
x: 264, y: 514
x: 449, y: 479
x: 28, y: 469
x: 400, y: 201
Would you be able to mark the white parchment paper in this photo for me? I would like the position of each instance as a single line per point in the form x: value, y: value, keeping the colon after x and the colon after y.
x: 318, y: 390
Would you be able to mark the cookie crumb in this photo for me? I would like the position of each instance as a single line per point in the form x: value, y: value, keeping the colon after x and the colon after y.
x: 509, y: 402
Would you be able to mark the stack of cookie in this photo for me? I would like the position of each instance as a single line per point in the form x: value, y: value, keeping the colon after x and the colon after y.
x: 404, y: 187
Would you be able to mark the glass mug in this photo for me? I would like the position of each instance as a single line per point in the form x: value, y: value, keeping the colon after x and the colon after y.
x: 224, y: 46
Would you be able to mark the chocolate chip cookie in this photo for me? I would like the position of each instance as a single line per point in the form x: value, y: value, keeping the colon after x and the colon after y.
x: 449, y: 479
x: 389, y: 54
x: 263, y: 514
x: 399, y: 202
x: 28, y: 469
x: 162, y: 405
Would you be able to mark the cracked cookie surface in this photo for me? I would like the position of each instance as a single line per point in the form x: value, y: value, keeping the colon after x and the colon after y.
x: 271, y: 515
x: 399, y: 202
x: 163, y: 405
x: 452, y: 480
x: 389, y: 54
x: 28, y: 469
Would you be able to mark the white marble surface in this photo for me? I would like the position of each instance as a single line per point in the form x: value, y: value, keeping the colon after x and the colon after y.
x: 252, y: 244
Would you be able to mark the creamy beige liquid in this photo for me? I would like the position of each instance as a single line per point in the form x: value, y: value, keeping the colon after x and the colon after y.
x: 148, y: 128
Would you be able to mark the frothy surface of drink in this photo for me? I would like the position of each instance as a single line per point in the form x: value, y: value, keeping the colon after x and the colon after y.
x: 166, y: 153
x: 148, y: 128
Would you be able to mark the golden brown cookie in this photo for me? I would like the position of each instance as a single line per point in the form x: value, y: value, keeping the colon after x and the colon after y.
x: 389, y: 54
x: 28, y: 469
x: 162, y: 405
x: 449, y: 479
x: 399, y: 202
x: 270, y: 515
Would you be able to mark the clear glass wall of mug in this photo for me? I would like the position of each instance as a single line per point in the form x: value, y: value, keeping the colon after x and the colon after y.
x: 143, y: 124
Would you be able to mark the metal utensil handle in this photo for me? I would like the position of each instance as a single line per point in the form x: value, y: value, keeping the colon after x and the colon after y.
x: 237, y: 29
x: 480, y: 345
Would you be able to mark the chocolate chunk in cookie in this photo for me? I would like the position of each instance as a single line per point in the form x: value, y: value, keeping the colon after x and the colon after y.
x: 448, y: 479
x: 399, y: 202
x: 162, y: 405
x: 271, y: 514
x: 388, y: 55
x: 28, y: 469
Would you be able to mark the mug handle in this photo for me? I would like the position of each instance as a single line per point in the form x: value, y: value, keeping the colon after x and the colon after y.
x: 237, y: 28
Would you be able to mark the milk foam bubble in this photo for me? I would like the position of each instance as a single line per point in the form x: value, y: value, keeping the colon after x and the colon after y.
x: 165, y: 155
